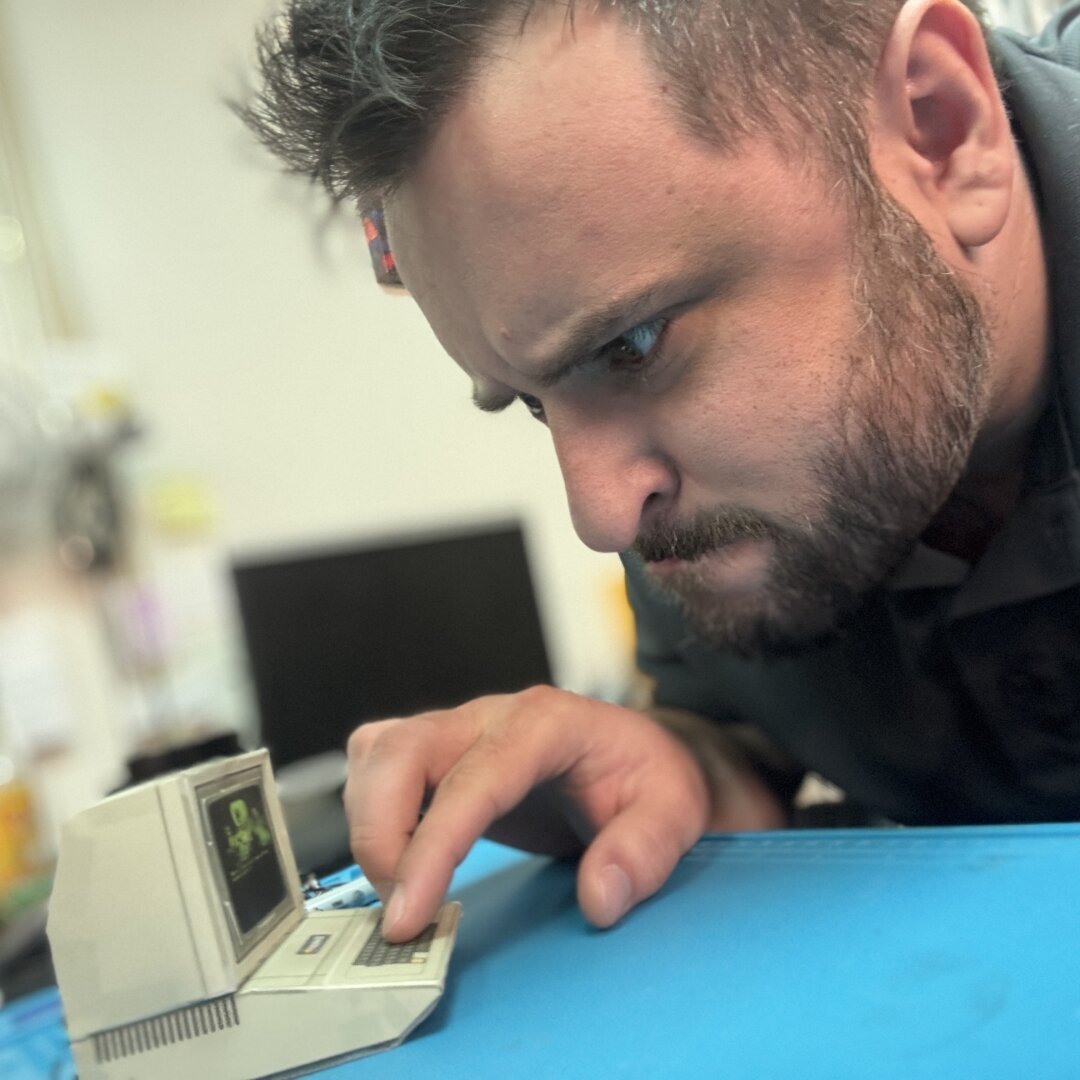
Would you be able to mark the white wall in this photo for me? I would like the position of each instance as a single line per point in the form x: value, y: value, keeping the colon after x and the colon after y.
x: 257, y: 346
x: 1027, y: 16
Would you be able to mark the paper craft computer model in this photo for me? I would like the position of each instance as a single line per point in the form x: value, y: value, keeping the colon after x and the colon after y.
x: 182, y: 947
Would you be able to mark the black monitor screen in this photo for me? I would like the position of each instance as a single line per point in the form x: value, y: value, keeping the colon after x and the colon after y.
x: 247, y: 856
x: 342, y: 636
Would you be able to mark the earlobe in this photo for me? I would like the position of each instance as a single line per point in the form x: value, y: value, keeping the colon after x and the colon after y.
x: 939, y: 131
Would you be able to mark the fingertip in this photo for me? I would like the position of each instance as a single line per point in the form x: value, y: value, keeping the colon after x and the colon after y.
x: 616, y: 894
x: 606, y: 895
x: 628, y: 861
x: 407, y: 912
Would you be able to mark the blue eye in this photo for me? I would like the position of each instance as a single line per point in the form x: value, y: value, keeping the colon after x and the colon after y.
x: 645, y: 336
x: 632, y: 348
x: 627, y: 355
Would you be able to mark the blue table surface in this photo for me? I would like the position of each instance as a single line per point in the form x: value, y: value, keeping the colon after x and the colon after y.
x: 906, y: 954
x: 914, y: 953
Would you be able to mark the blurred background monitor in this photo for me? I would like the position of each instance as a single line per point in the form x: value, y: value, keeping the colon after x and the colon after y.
x: 339, y: 636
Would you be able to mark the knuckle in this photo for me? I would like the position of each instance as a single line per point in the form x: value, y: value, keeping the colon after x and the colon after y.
x: 536, y: 709
x: 501, y: 706
x: 364, y: 836
x: 390, y: 737
x: 363, y: 738
x: 478, y: 781
x: 540, y: 696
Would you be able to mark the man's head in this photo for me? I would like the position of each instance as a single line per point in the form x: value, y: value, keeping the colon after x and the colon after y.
x: 722, y: 249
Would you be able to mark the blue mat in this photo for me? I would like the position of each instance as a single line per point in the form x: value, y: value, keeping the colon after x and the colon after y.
x: 33, y: 1043
x: 916, y: 953
x: 906, y: 954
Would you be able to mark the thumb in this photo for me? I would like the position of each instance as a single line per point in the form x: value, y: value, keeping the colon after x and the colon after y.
x: 630, y: 859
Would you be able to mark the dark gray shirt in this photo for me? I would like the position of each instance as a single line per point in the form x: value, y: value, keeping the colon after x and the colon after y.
x: 955, y: 696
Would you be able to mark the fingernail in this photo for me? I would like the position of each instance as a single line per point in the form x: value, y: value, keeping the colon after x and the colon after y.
x: 395, y: 909
x: 615, y: 894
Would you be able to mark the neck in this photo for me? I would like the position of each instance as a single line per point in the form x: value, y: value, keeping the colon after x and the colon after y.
x: 1010, y: 275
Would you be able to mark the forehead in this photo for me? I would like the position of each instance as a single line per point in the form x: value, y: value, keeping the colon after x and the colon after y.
x: 561, y: 179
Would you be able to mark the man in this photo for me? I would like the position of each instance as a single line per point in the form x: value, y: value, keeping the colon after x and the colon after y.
x: 774, y: 274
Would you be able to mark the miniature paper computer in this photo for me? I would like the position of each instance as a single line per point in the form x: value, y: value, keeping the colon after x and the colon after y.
x: 182, y: 947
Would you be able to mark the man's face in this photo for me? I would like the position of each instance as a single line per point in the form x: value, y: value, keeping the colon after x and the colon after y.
x: 767, y: 406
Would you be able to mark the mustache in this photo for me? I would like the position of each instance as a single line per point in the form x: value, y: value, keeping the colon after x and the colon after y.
x: 705, y: 532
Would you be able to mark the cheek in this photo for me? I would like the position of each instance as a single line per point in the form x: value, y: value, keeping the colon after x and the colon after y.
x: 760, y: 400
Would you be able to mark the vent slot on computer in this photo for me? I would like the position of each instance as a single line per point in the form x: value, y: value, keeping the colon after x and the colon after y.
x: 191, y: 1022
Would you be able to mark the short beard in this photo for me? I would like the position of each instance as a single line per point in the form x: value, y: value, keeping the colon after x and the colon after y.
x: 905, y: 428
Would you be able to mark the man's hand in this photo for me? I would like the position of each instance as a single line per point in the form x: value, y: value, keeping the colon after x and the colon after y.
x: 545, y: 770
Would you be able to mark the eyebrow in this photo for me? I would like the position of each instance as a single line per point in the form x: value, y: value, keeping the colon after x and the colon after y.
x: 593, y: 331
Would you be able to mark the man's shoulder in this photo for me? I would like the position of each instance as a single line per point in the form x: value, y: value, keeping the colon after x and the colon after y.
x: 1060, y: 40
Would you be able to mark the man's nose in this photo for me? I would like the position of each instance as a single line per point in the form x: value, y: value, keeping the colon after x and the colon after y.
x: 615, y: 482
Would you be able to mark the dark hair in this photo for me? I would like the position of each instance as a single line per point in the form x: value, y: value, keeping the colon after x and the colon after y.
x: 352, y: 90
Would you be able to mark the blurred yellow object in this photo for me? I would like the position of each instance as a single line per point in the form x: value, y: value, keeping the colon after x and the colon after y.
x: 182, y: 506
x: 636, y: 692
x: 20, y: 854
x: 102, y: 401
x: 619, y: 612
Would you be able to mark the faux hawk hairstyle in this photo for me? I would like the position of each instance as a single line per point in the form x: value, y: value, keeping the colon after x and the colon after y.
x: 352, y: 91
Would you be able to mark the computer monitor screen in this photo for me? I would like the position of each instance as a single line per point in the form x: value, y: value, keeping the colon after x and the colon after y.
x: 244, y: 857
x: 340, y: 636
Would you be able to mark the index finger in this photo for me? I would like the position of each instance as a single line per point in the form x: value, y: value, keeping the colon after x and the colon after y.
x: 493, y: 775
x: 393, y: 764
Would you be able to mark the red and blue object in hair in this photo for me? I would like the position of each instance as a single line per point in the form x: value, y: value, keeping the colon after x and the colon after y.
x: 382, y: 259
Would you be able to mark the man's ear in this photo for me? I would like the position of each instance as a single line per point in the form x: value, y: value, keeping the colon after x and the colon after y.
x: 939, y: 134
